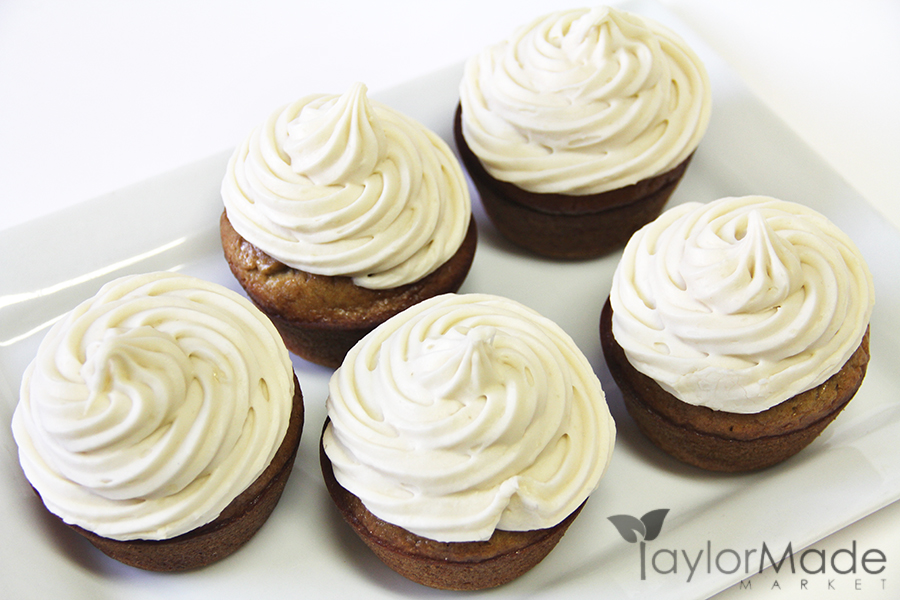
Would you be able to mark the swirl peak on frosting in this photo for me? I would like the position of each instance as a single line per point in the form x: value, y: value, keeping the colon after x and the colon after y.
x: 468, y: 413
x: 340, y: 141
x: 149, y: 407
x: 340, y: 185
x: 742, y: 303
x: 584, y: 101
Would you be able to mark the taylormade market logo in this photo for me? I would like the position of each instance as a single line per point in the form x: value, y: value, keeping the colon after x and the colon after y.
x: 848, y: 569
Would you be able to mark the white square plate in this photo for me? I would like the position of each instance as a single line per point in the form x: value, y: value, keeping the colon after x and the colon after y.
x: 305, y: 550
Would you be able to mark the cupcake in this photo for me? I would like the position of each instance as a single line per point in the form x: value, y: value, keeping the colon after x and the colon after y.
x: 160, y: 419
x: 341, y: 212
x: 463, y: 437
x: 738, y: 330
x: 577, y: 129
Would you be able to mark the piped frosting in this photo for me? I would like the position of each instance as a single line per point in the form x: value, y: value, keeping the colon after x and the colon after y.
x: 345, y: 186
x: 584, y: 101
x: 149, y: 407
x: 742, y: 303
x: 465, y: 414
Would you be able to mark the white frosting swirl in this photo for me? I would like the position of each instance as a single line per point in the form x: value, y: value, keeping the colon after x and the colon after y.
x: 345, y: 186
x: 467, y: 413
x: 742, y: 303
x: 151, y: 406
x: 584, y: 101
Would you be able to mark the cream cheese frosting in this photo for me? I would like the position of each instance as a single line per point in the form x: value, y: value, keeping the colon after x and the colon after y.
x: 340, y: 185
x: 584, y: 101
x: 465, y: 414
x: 742, y: 303
x: 151, y: 406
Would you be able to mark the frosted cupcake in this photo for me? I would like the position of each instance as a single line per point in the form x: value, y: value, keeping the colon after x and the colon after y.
x: 578, y: 127
x: 465, y: 435
x: 160, y: 419
x: 738, y: 330
x: 339, y: 213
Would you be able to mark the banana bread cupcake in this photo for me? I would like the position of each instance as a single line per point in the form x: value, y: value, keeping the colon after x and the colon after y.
x: 464, y: 436
x: 577, y: 129
x: 738, y: 330
x: 341, y: 212
x: 160, y: 419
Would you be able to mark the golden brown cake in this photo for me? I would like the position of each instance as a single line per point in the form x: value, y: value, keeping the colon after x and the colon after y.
x: 234, y: 526
x: 577, y: 128
x: 721, y: 441
x: 341, y: 212
x: 321, y: 317
x: 464, y: 437
x: 460, y: 566
x: 564, y: 226
x: 737, y: 330
x: 160, y: 420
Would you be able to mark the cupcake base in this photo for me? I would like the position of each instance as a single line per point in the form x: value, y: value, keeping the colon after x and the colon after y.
x: 461, y: 566
x: 320, y: 317
x: 730, y: 442
x: 564, y: 226
x: 237, y: 523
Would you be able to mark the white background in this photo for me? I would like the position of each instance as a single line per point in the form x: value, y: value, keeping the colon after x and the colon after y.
x: 96, y: 95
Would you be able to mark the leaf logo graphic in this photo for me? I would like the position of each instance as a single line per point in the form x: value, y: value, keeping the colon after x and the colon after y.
x: 648, y: 526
